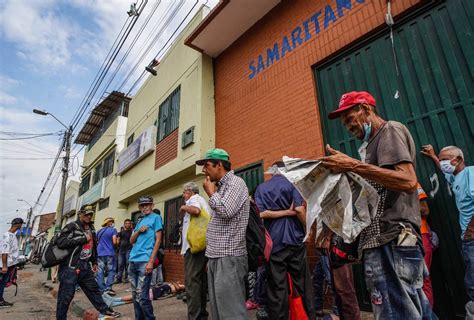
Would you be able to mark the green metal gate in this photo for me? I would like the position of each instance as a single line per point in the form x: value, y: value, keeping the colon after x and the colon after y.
x: 433, y: 95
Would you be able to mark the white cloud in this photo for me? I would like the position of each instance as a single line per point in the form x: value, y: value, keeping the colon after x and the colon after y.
x: 6, y: 99
x: 38, y: 30
x: 23, y: 179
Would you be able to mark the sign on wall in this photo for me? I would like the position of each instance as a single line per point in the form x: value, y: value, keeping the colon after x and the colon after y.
x: 95, y: 193
x: 137, y: 150
x: 70, y: 204
x: 304, y: 31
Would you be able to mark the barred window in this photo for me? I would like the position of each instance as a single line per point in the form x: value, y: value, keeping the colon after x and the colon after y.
x: 108, y: 166
x: 104, y: 203
x: 168, y: 115
x: 85, y: 184
x: 97, y: 173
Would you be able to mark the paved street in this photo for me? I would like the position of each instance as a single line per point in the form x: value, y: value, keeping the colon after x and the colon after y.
x: 35, y: 302
x: 32, y: 301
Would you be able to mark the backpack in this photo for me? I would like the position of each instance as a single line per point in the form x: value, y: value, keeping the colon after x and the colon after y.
x: 52, y: 255
x: 256, y: 240
x: 12, y: 277
x: 175, y: 234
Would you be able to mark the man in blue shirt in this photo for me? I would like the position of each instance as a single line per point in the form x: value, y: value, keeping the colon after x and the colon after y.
x: 281, y: 207
x: 461, y: 179
x: 107, y: 238
x: 146, y: 239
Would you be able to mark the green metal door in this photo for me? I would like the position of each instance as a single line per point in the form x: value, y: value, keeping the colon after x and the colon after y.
x: 252, y: 175
x: 433, y: 95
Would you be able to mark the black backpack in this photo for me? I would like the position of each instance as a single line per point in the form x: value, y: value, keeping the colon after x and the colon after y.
x: 175, y: 235
x: 52, y: 255
x: 255, y: 236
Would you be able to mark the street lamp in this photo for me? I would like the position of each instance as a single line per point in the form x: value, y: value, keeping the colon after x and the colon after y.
x: 65, y: 169
x: 28, y: 219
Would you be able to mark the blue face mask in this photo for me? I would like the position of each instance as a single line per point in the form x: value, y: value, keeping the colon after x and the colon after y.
x: 447, y: 167
x: 367, y: 131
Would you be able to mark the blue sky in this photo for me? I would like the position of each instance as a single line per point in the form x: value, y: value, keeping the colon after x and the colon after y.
x: 51, y: 51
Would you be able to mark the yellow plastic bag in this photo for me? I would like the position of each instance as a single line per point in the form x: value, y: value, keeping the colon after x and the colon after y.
x: 197, y: 231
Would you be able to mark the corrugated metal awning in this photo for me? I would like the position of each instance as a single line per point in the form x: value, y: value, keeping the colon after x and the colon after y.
x: 94, y: 123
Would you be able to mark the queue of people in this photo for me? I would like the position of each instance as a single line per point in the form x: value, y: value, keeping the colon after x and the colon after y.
x: 396, y: 247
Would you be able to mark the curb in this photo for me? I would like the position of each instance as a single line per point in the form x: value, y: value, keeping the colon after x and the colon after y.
x: 76, y: 307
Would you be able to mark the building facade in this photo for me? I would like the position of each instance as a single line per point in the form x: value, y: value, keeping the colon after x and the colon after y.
x: 281, y: 68
x: 148, y: 144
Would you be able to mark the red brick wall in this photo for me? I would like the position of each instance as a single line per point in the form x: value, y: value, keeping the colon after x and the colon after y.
x: 174, y: 266
x: 276, y: 112
x: 166, y: 149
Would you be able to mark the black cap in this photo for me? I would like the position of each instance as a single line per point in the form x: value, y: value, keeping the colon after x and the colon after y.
x: 18, y: 221
x: 145, y: 200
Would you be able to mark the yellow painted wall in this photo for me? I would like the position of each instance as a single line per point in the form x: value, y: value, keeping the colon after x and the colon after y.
x: 193, y: 72
x: 185, y: 67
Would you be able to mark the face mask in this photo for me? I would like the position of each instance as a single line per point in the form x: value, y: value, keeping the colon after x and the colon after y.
x: 447, y: 167
x: 367, y: 131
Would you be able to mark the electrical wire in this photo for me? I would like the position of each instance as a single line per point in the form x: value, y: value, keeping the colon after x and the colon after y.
x: 169, y: 39
x: 153, y: 41
x: 27, y: 138
x: 48, y: 178
x: 104, y: 72
x: 134, y: 41
x: 23, y: 152
x: 56, y: 178
x: 26, y: 158
x: 23, y: 147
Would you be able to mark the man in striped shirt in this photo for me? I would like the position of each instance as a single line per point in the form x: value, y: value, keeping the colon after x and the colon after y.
x: 226, y: 244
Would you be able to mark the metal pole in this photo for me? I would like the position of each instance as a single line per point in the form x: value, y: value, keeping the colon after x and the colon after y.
x: 62, y: 194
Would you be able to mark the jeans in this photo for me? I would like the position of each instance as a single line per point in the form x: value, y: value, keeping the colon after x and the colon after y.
x: 140, y: 282
x: 468, y: 256
x: 123, y: 263
x: 3, y: 281
x: 68, y: 278
x: 157, y: 276
x: 322, y: 272
x: 105, y: 263
x: 394, y: 278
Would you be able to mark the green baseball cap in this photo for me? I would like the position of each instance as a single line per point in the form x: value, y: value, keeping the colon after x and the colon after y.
x: 214, y: 154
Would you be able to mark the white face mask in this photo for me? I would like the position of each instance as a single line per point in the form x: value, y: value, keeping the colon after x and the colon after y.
x: 447, y: 167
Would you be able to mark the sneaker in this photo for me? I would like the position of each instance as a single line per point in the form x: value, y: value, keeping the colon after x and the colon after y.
x: 110, y: 292
x: 5, y: 304
x: 112, y: 313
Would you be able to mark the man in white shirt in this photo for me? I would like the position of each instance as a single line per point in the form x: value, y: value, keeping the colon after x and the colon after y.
x: 194, y: 262
x: 9, y: 251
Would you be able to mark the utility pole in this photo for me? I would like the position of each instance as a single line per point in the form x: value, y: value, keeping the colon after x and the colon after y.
x: 65, y: 169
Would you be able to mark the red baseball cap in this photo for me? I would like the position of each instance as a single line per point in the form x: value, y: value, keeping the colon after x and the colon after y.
x: 351, y: 99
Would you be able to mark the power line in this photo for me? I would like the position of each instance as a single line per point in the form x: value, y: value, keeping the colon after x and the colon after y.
x: 124, y: 37
x: 26, y: 158
x: 27, y: 138
x: 134, y: 41
x: 24, y: 133
x: 20, y: 151
x: 153, y: 41
x: 164, y: 46
x: 23, y: 147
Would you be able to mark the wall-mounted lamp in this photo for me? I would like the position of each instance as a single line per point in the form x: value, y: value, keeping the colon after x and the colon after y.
x: 150, y: 67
